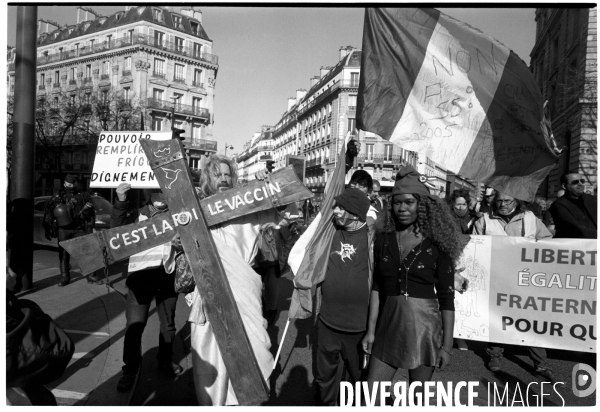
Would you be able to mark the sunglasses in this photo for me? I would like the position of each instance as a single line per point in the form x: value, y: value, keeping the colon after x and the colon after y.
x: 576, y: 182
x: 504, y: 202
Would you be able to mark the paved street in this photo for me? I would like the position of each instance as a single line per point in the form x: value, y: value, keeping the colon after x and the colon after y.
x: 95, y: 319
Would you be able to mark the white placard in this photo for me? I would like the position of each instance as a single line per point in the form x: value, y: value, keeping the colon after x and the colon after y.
x: 121, y: 159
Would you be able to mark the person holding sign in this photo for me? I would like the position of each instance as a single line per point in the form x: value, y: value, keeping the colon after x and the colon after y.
x: 411, y: 312
x: 236, y: 241
x: 510, y: 218
x: 150, y: 275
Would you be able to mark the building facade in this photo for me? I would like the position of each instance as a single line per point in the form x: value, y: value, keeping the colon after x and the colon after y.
x: 256, y: 153
x: 317, y: 122
x: 157, y: 59
x: 564, y: 63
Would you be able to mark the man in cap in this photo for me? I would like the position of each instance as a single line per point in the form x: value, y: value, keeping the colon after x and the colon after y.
x: 150, y: 276
x: 68, y: 215
x: 343, y: 301
x: 487, y: 203
x: 362, y: 180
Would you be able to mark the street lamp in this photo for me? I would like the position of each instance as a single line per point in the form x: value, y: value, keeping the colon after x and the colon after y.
x: 228, y: 146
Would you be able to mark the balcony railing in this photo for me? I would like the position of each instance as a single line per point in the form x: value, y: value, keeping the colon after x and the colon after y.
x: 179, y: 108
x: 198, y: 84
x: 73, y: 81
x: 87, y: 80
x: 42, y: 87
x: 178, y: 79
x: 204, y: 144
x: 162, y: 75
x: 125, y: 41
x: 56, y: 85
x: 126, y: 73
x: 349, y: 83
x: 105, y: 77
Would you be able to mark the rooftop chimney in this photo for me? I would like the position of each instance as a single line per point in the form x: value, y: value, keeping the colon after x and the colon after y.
x: 343, y: 52
x: 324, y: 71
x: 291, y: 102
x: 127, y: 8
x: 314, y: 80
x: 300, y: 93
x: 192, y: 12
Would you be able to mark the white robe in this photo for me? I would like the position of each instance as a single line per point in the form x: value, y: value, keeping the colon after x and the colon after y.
x: 236, y: 242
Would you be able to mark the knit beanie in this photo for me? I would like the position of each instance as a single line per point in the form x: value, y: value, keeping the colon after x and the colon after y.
x: 410, y: 182
x: 355, y: 202
x: 70, y: 179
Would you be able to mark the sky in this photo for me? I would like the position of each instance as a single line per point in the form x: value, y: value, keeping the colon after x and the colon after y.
x: 267, y: 53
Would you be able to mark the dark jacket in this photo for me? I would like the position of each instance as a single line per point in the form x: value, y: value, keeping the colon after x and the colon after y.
x: 575, y: 219
x: 37, y: 350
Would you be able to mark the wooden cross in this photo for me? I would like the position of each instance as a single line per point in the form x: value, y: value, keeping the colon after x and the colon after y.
x: 190, y: 218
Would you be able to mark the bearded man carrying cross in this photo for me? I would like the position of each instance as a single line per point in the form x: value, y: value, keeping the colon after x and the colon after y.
x: 236, y: 242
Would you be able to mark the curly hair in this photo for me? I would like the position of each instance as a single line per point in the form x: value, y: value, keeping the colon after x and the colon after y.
x: 460, y: 193
x: 207, y: 185
x: 435, y: 221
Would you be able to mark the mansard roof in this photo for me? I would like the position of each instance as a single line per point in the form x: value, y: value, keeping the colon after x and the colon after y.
x: 121, y: 18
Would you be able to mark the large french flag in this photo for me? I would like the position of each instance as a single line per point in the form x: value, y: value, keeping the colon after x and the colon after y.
x: 440, y: 87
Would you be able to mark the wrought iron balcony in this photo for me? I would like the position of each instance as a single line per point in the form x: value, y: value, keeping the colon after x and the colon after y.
x: 162, y: 75
x: 87, y: 80
x: 125, y: 41
x: 105, y: 77
x: 203, y: 144
x: 179, y: 79
x: 42, y: 87
x: 198, y: 84
x: 56, y: 85
x: 179, y: 108
x: 72, y: 81
x: 126, y: 73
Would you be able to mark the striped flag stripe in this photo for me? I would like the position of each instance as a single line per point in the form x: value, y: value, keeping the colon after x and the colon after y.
x: 437, y: 86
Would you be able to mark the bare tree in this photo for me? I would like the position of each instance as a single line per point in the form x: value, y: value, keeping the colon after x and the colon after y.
x: 78, y: 117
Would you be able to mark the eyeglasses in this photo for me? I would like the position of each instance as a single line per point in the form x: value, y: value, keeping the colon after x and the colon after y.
x: 504, y: 202
x: 576, y: 182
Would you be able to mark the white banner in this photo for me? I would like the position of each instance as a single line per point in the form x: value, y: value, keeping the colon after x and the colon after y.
x: 121, y: 159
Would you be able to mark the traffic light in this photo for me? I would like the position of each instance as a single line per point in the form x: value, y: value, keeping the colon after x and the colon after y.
x: 177, y: 133
x: 270, y: 165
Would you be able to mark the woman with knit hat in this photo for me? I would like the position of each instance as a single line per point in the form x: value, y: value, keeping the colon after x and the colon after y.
x: 411, y: 312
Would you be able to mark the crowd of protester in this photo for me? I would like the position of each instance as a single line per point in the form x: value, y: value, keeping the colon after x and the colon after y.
x: 387, y: 301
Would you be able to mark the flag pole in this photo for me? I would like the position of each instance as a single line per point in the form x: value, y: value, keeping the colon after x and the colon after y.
x: 281, y: 343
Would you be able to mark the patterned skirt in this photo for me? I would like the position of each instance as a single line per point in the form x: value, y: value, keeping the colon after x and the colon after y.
x: 409, y: 332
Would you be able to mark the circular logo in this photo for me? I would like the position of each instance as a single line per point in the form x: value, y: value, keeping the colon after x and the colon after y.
x: 422, y: 179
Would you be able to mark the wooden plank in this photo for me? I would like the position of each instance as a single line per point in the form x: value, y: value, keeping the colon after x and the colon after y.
x: 173, y: 174
x: 282, y: 188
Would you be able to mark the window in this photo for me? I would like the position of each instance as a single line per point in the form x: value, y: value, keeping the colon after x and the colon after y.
x: 158, y: 15
x: 179, y: 73
x: 179, y: 44
x: 92, y: 43
x: 196, y: 102
x: 109, y: 40
x: 354, y: 79
x: 57, y: 77
x: 389, y: 148
x: 126, y: 94
x: 157, y: 94
x: 88, y: 70
x: 352, y: 102
x: 351, y: 125
x: 370, y: 151
x: 157, y: 124
x: 73, y: 73
x: 159, y: 67
x: 195, y: 27
x: 106, y: 67
x: 129, y: 36
x: 177, y: 97
x: 128, y: 63
x: 197, y: 50
x: 196, y: 133
x: 177, y: 22
x: 159, y: 38
x: 197, y: 77
x: 42, y: 79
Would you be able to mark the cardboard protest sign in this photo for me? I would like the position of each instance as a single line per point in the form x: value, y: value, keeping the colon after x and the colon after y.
x: 527, y: 292
x: 121, y: 159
